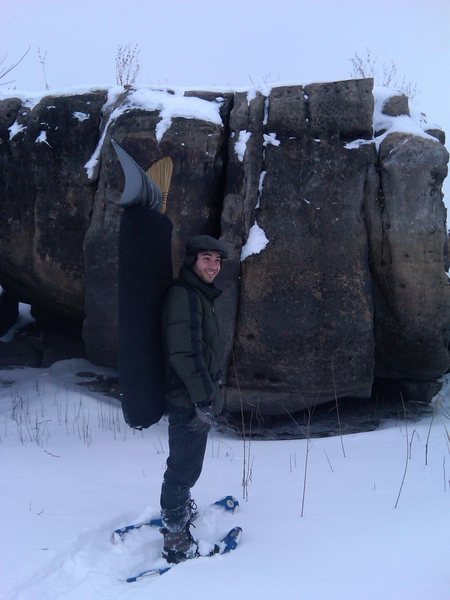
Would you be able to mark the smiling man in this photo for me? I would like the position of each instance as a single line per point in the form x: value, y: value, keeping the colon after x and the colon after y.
x: 193, y: 351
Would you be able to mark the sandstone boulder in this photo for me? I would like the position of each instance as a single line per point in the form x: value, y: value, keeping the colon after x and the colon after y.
x: 349, y: 286
x: 304, y: 330
x: 408, y: 241
x: 47, y: 197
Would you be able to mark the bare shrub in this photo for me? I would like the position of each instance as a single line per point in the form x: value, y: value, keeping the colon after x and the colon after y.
x: 42, y: 56
x: 5, y: 69
x: 366, y: 66
x: 127, y: 64
x: 247, y: 467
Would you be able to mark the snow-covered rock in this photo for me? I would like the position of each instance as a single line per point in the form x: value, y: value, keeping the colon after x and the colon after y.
x: 303, y: 163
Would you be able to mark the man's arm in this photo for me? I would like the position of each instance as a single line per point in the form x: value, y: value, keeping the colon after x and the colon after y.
x: 182, y: 321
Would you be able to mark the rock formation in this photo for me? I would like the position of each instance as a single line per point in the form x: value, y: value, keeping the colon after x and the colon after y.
x: 305, y: 315
x: 350, y: 285
x: 46, y: 197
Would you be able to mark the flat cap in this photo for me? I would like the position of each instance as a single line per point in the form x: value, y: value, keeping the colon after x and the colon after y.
x: 201, y: 243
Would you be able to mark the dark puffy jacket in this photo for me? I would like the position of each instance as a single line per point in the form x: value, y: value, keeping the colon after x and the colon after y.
x: 192, y: 342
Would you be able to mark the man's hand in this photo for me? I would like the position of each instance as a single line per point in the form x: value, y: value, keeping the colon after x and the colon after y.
x: 203, y: 420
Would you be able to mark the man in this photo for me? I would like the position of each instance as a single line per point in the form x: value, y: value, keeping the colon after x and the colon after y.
x: 194, y: 359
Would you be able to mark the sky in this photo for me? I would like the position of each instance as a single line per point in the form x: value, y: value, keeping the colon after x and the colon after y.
x: 229, y: 43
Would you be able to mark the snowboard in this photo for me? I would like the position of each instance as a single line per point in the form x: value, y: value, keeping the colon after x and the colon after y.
x: 144, y: 274
x: 225, y: 504
x: 224, y: 546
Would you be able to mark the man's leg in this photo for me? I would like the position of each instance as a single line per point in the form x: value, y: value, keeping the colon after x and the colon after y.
x: 184, y: 465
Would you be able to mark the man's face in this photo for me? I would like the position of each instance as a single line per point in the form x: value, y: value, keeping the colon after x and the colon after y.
x: 208, y: 265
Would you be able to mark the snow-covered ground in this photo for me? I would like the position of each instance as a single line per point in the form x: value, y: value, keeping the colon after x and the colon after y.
x: 71, y: 472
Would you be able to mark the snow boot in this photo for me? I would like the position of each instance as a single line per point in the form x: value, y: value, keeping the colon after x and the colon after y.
x: 175, y: 519
x: 179, y: 545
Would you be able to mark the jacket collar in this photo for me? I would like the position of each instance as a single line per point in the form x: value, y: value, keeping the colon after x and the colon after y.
x: 186, y: 275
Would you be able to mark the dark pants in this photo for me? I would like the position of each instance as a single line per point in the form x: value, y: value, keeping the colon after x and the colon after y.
x: 184, y: 465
